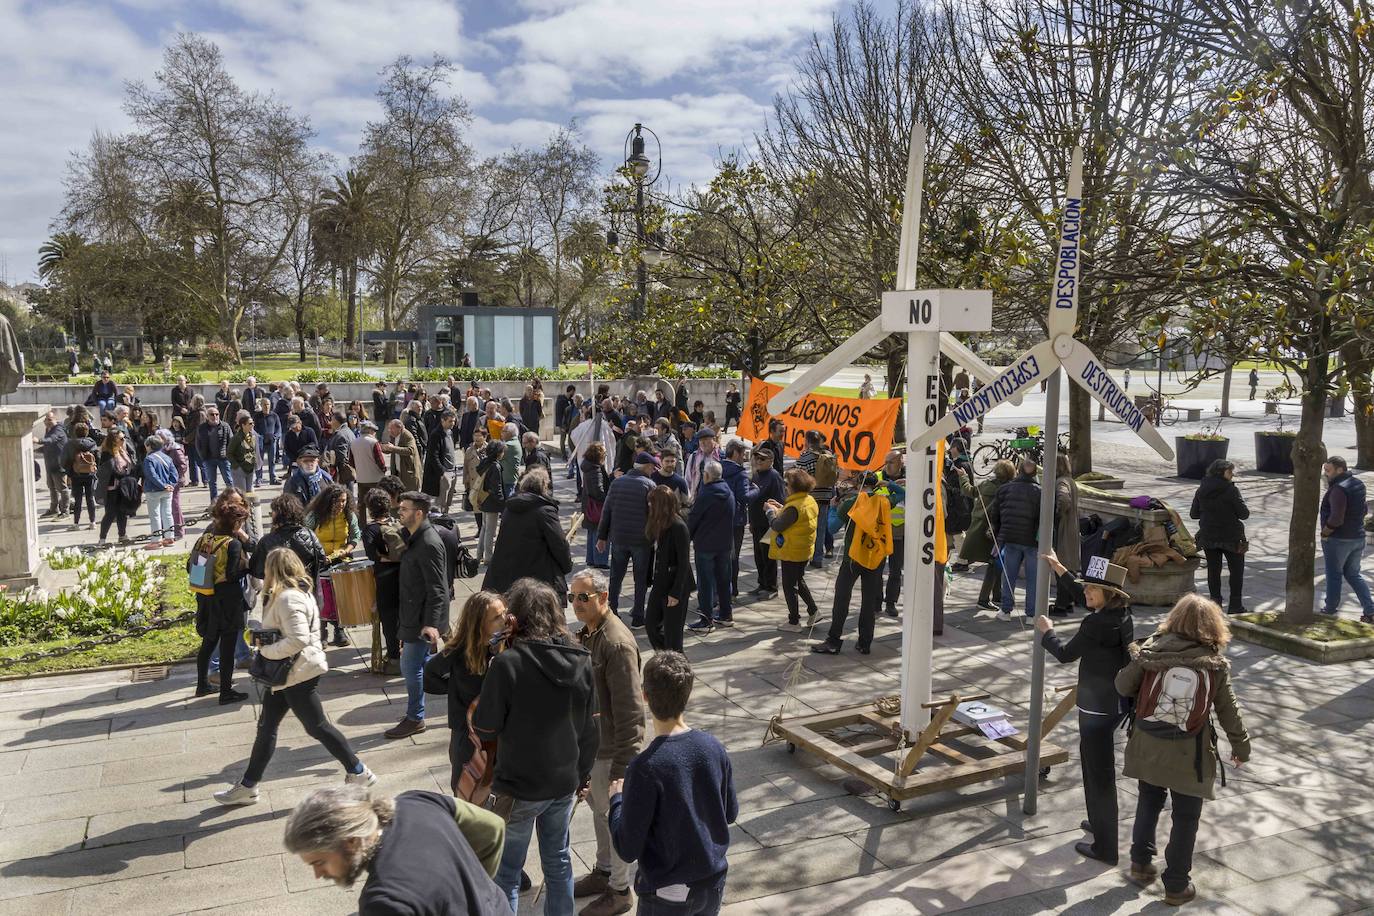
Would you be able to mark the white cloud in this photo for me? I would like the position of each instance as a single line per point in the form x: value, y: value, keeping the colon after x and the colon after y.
x: 534, y: 85
x: 614, y: 41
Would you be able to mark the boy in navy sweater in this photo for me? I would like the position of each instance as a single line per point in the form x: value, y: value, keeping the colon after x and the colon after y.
x: 672, y: 811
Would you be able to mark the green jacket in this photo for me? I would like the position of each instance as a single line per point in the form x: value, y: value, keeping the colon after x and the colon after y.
x: 1173, y: 763
x: 243, y: 452
x: 978, y: 540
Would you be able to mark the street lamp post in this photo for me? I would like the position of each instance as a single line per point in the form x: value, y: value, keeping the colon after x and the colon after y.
x: 645, y: 172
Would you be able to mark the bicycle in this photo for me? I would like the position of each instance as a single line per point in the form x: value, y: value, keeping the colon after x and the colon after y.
x: 1165, y: 414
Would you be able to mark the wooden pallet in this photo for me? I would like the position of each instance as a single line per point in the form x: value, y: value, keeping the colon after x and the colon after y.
x: 975, y: 758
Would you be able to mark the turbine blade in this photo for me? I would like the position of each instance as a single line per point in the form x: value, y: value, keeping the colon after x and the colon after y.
x: 840, y: 357
x: 1025, y: 370
x: 1088, y: 372
x: 1068, y: 255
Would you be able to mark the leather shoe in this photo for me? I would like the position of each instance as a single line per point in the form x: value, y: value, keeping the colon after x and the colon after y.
x: 1085, y: 849
x: 610, y: 903
x: 826, y: 648
x: 1178, y: 898
x: 405, y: 728
x: 1143, y: 874
x: 592, y: 884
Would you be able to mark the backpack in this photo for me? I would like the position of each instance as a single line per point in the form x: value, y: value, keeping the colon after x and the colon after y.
x: 208, y: 564
x: 1174, y: 703
x: 958, y: 505
x: 827, y: 471
x: 84, y: 462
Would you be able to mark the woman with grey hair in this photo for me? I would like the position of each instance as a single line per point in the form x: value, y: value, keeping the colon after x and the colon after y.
x: 424, y: 853
x: 530, y: 542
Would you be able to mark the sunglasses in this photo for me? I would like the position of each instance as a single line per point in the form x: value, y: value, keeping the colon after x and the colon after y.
x: 584, y: 596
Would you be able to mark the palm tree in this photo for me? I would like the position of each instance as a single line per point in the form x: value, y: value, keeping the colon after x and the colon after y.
x: 182, y: 212
x: 58, y: 258
x: 341, y: 230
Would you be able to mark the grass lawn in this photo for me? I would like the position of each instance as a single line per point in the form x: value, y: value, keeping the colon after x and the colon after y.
x: 154, y: 648
x: 1321, y: 629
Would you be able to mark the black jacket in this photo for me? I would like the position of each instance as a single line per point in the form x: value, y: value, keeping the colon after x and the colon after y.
x: 425, y: 867
x: 301, y: 540
x: 672, y: 561
x: 227, y: 608
x: 439, y: 460
x: 529, y: 543
x: 539, y: 704
x: 1220, y: 509
x: 1016, y: 512
x: 626, y: 511
x: 495, y: 484
x: 768, y: 485
x: 212, y: 440
x: 424, y: 585
x: 447, y: 673
x: 1099, y: 647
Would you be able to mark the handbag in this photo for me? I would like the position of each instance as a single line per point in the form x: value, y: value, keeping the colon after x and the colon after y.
x: 594, y: 509
x: 467, y: 563
x: 475, y: 778
x: 1243, y: 546
x: 271, y: 672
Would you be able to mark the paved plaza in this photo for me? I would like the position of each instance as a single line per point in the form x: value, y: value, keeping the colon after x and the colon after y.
x: 105, y: 802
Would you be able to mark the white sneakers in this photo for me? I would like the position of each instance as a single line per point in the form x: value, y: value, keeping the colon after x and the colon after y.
x: 1003, y: 616
x: 238, y: 794
x: 365, y: 778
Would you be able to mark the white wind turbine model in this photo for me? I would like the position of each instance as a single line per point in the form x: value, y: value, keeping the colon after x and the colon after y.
x: 1040, y: 362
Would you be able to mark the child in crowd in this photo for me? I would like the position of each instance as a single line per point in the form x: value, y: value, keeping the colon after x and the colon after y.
x: 672, y: 811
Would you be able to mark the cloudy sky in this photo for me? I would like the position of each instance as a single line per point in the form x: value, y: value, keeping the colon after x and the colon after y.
x: 702, y: 73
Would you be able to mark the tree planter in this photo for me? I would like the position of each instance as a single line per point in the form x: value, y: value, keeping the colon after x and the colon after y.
x: 1274, y: 452
x: 1335, y: 407
x: 1195, y: 456
x: 1259, y: 629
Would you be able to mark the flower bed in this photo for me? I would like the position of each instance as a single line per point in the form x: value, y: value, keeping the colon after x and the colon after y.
x: 114, y: 589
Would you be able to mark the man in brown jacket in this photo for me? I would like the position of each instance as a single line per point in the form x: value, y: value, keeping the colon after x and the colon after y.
x: 405, y: 455
x: 615, y: 675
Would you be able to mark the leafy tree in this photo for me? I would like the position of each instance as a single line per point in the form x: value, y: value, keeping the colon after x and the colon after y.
x: 342, y: 228
x: 1273, y: 152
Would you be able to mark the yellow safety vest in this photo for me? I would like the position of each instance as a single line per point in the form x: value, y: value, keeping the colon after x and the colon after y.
x: 798, y: 538
x: 898, y: 510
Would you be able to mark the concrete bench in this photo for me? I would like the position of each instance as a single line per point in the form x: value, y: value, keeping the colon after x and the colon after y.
x: 1159, y: 586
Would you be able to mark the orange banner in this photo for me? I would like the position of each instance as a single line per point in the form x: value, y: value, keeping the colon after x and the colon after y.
x: 859, y: 431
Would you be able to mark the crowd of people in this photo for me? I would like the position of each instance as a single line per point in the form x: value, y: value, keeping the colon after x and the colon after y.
x: 542, y: 717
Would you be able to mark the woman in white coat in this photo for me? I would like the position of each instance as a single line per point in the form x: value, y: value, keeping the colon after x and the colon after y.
x: 290, y: 609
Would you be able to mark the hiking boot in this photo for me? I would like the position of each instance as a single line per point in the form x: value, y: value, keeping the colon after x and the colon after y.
x: 405, y: 728
x: 1178, y: 898
x: 593, y: 884
x: 239, y: 794
x: 610, y: 903
x: 1143, y: 873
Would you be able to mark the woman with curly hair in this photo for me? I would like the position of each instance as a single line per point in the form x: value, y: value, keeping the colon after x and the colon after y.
x: 334, y: 519
x: 221, y: 603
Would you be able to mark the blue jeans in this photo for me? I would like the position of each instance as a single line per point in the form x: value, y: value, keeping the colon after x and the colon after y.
x: 414, y: 654
x: 596, y: 557
x: 242, y: 656
x: 713, y: 582
x: 1342, y: 556
x: 267, y: 448
x: 550, y: 818
x: 105, y: 407
x: 703, y: 900
x: 213, y: 468
x: 620, y: 559
x: 1014, y: 556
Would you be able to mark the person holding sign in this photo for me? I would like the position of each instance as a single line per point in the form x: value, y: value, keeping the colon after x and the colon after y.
x: 1099, y: 647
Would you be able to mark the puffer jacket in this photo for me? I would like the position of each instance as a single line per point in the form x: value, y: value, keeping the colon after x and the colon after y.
x: 1220, y: 511
x: 529, y: 543
x: 736, y: 477
x: 1016, y: 512
x: 626, y: 511
x: 1188, y: 766
x: 293, y: 613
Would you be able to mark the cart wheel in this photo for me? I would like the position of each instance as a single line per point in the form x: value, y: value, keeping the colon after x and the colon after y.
x: 894, y: 804
x: 1044, y: 772
x: 791, y: 748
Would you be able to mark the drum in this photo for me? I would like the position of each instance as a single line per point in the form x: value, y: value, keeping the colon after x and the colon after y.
x: 355, y: 592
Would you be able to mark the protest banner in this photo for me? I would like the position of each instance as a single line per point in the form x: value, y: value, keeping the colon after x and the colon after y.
x: 859, y: 432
